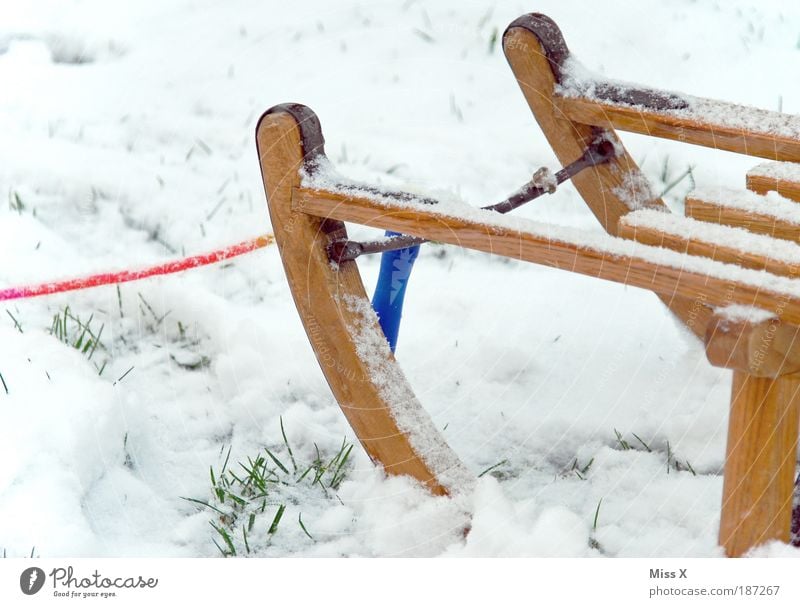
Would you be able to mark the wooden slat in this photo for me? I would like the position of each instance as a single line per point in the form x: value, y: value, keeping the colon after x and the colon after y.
x: 686, y: 127
x: 426, y: 222
x: 767, y: 348
x: 760, y: 462
x: 694, y: 244
x: 759, y: 223
x: 766, y: 180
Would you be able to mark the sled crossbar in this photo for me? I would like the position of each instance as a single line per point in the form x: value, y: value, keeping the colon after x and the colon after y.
x: 514, y: 241
x: 765, y: 136
x: 599, y: 152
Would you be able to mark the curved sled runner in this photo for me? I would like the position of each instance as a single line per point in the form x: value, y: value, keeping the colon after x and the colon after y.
x: 733, y: 248
x: 351, y: 349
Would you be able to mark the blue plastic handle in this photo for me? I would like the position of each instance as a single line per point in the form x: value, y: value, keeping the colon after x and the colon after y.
x: 391, y: 289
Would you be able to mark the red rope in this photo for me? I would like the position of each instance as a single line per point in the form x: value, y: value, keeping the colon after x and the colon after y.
x: 108, y: 278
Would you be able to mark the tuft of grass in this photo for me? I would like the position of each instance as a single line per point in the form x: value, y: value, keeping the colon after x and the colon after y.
x: 674, y: 462
x: 335, y: 468
x: 623, y: 444
x: 580, y: 471
x: 69, y: 329
x: 246, y: 493
x: 149, y: 309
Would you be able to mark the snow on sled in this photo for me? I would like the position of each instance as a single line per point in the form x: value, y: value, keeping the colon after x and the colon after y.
x: 728, y: 270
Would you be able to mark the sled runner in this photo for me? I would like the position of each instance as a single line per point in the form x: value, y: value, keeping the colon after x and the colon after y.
x: 728, y: 269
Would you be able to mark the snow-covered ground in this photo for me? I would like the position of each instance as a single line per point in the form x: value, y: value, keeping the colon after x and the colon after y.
x: 126, y: 137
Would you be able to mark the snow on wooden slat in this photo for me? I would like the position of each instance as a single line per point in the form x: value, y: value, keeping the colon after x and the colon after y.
x: 781, y: 177
x: 600, y: 255
x: 769, y: 214
x: 584, y: 98
x: 718, y: 242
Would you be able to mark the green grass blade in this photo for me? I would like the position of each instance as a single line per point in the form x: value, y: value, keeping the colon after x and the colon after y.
x: 277, y: 461
x: 303, y: 527
x: 225, y: 463
x: 644, y: 444
x: 276, y: 521
x: 490, y: 468
x: 202, y: 503
x: 226, y: 538
x: 244, y: 536
x: 596, y: 515
x: 96, y: 341
x: 288, y: 448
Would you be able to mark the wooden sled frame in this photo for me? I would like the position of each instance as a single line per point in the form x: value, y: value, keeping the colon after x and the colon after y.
x: 368, y: 383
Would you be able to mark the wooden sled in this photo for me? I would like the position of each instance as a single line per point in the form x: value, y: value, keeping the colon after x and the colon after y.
x: 733, y: 248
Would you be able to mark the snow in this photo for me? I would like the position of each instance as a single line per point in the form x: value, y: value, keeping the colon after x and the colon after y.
x: 578, y: 81
x: 635, y: 191
x: 715, y: 234
x: 128, y: 136
x: 770, y: 204
x: 784, y: 171
x: 545, y: 179
x: 736, y: 312
x: 373, y: 349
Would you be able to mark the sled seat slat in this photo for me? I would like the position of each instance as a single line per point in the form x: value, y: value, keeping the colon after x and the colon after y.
x: 714, y: 124
x: 624, y: 261
x: 769, y: 214
x: 718, y: 242
x: 780, y: 177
